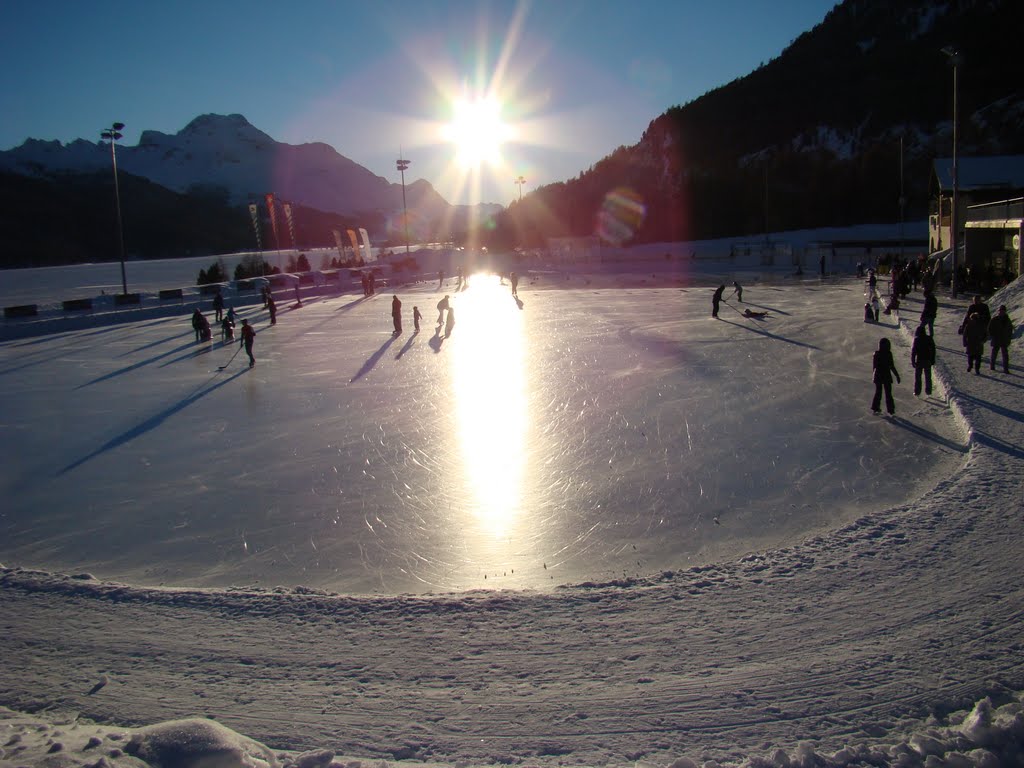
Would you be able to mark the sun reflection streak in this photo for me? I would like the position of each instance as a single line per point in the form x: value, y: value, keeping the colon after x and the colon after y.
x: 489, y: 383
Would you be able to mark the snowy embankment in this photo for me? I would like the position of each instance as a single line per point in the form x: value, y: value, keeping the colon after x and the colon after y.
x: 894, y: 640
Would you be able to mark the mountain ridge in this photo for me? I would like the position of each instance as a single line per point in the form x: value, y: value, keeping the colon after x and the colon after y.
x: 228, y: 152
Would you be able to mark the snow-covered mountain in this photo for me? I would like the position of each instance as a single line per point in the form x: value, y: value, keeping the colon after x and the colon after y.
x: 230, y: 153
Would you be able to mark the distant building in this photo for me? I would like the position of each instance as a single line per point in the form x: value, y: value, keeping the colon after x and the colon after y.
x: 990, y: 191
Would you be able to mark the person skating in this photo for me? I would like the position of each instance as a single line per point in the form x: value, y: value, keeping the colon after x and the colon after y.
x: 440, y: 279
x: 930, y: 311
x: 716, y: 300
x: 514, y: 279
x: 883, y: 371
x: 737, y: 291
x: 248, y: 335
x: 198, y: 321
x: 218, y: 306
x: 396, y: 314
x: 272, y: 309
x: 876, y: 306
x: 975, y: 334
x: 416, y: 316
x: 922, y: 357
x: 1000, y: 331
x: 442, y: 306
x: 227, y: 330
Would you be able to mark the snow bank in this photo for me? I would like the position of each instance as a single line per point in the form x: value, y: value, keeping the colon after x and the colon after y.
x: 987, y: 736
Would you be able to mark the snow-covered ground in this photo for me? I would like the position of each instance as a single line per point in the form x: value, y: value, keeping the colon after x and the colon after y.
x: 597, y: 529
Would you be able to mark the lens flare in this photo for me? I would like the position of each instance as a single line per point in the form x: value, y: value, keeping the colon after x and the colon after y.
x: 621, y: 215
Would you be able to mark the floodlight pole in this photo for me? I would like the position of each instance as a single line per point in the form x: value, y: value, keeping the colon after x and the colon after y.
x: 112, y: 134
x: 520, y: 181
x: 401, y: 165
x: 954, y: 235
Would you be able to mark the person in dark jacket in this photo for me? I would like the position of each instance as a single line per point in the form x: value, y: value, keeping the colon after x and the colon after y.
x: 1000, y: 331
x: 883, y: 368
x: 248, y: 337
x: 197, y: 323
x: 930, y: 311
x: 922, y: 357
x: 716, y: 300
x: 396, y: 314
x: 975, y: 333
x: 218, y: 306
x: 442, y: 306
x: 981, y: 308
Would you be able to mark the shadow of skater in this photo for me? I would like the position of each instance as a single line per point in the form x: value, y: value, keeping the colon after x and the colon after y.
x: 449, y: 323
x: 519, y: 302
x: 436, y: 340
x: 372, y: 360
x: 151, y: 423
x: 406, y: 346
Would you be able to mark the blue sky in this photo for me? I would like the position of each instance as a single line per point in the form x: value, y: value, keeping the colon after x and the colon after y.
x: 572, y: 79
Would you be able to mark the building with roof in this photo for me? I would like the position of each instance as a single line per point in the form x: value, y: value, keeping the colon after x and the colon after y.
x: 990, y: 197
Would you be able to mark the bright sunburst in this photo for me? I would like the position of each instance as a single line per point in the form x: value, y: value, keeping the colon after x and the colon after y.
x: 477, y: 132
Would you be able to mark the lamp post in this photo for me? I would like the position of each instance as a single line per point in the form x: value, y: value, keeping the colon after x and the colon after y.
x: 954, y: 234
x: 112, y: 134
x: 401, y: 165
x: 520, y: 181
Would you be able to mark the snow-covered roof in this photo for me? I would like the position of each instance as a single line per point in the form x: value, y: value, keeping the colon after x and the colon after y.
x: 996, y: 172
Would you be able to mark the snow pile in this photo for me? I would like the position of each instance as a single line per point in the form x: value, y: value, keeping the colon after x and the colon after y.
x: 987, y: 736
x: 196, y: 742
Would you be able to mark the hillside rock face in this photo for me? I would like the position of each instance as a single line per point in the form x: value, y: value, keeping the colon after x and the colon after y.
x: 227, y: 154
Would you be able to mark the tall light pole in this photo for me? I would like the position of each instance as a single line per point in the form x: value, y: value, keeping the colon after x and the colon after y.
x: 520, y: 181
x: 954, y: 235
x: 402, y: 165
x: 112, y: 134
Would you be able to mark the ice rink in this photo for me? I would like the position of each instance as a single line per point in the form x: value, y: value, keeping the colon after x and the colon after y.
x: 579, y: 434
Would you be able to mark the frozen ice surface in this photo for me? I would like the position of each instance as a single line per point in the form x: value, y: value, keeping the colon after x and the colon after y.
x: 892, y: 640
x: 586, y: 435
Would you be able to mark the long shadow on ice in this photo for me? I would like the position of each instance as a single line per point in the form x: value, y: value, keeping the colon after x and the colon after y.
x: 141, y: 363
x: 152, y: 422
x: 407, y: 345
x: 372, y: 360
x: 929, y: 435
x: 775, y: 336
x: 157, y: 343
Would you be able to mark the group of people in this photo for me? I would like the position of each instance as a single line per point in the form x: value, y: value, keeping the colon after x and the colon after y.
x: 445, y: 316
x: 369, y: 281
x: 737, y: 291
x: 977, y: 328
x: 980, y: 326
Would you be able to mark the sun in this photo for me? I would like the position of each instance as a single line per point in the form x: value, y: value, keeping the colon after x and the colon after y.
x: 477, y: 132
